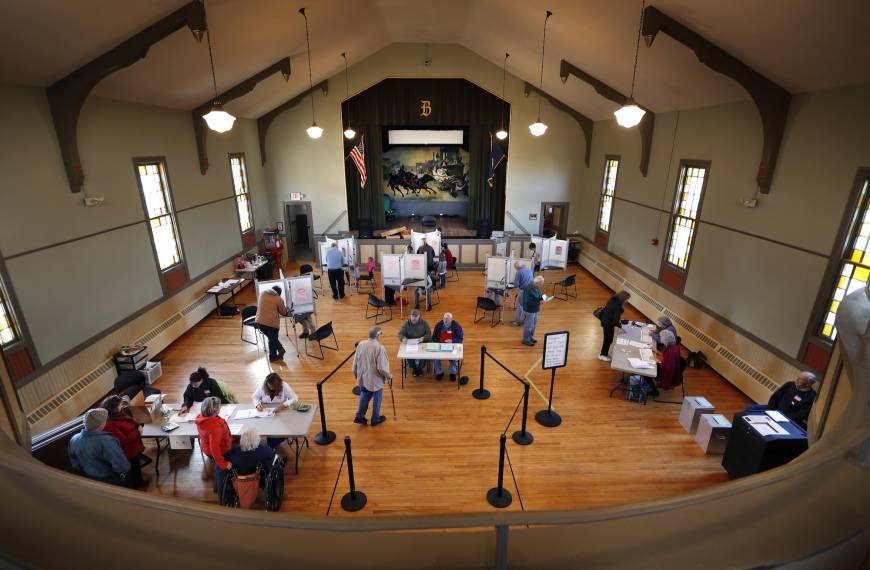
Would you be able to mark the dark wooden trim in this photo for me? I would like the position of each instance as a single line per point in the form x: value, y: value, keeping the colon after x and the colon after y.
x: 67, y: 96
x: 816, y: 358
x: 586, y: 124
x: 771, y: 100
x: 72, y: 240
x: 838, y: 250
x: 18, y: 320
x: 647, y: 124
x: 684, y: 163
x: 19, y: 363
x: 264, y: 121
x: 200, y: 129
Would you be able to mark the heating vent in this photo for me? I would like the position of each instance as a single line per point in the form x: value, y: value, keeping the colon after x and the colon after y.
x: 692, y: 329
x: 612, y: 273
x: 193, y: 306
x: 643, y: 295
x: 49, y: 406
x: 160, y: 328
x: 749, y: 370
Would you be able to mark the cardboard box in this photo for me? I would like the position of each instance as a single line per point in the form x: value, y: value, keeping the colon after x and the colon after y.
x: 690, y: 413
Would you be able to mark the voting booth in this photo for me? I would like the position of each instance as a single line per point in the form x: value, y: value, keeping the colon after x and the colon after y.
x: 512, y: 271
x: 496, y: 271
x: 432, y: 238
x: 323, y: 248
x: 413, y: 268
x: 553, y: 252
x: 391, y: 269
x: 301, y: 294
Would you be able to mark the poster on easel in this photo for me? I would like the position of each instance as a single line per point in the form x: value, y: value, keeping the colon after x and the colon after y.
x: 391, y: 269
x: 323, y: 247
x: 555, y: 350
x: 496, y: 270
x: 433, y: 238
x: 512, y: 271
x: 413, y: 267
x: 301, y: 294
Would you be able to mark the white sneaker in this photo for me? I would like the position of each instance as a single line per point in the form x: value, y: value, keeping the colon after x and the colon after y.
x: 604, y: 358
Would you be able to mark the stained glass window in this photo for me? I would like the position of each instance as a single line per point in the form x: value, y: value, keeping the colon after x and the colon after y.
x: 240, y: 188
x: 7, y: 329
x: 608, y: 189
x: 158, y: 207
x: 685, y: 219
x: 855, y: 266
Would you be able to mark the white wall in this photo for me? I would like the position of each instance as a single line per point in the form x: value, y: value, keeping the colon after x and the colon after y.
x: 764, y: 287
x: 549, y: 168
x: 72, y: 291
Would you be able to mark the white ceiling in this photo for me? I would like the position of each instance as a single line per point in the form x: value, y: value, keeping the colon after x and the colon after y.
x: 803, y: 45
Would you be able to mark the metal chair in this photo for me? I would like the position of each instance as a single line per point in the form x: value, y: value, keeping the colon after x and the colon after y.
x: 563, y: 294
x: 320, y: 335
x: 488, y: 305
x: 452, y: 272
x: 367, y: 278
x: 249, y: 317
x: 380, y: 309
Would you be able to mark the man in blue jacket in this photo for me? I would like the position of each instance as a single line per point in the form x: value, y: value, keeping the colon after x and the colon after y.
x: 447, y: 331
x: 522, y: 279
x: 97, y: 453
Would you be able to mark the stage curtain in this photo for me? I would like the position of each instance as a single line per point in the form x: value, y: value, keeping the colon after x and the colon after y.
x: 368, y: 202
x: 484, y: 202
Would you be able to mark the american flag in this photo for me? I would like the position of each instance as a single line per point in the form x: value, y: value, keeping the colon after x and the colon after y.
x: 358, y: 154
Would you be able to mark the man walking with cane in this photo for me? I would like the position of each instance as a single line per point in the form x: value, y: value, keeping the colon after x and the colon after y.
x: 371, y: 368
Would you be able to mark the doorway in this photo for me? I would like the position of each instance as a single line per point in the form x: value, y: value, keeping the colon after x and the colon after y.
x: 299, y: 231
x: 554, y: 219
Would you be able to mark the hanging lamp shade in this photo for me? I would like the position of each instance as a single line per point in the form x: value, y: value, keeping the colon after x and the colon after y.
x: 537, y: 128
x: 501, y: 134
x: 314, y: 131
x: 629, y: 115
x: 349, y: 133
x: 217, y: 119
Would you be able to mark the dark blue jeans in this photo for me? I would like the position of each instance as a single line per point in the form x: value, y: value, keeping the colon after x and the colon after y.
x: 364, y: 397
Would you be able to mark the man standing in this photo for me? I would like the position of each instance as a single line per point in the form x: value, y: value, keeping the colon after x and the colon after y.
x: 522, y: 279
x: 334, y: 263
x: 371, y: 368
x: 97, y: 453
x: 610, y: 320
x: 536, y: 257
x: 418, y: 329
x: 531, y: 301
x: 447, y: 331
x: 430, y: 256
x: 270, y: 309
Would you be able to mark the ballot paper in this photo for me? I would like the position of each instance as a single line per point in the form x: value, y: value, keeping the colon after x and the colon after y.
x: 414, y: 341
x: 759, y: 419
x: 776, y: 416
x: 636, y: 344
x: 236, y: 429
x: 623, y: 341
x: 645, y: 337
x: 412, y: 347
x: 763, y: 429
x: 179, y: 419
x: 646, y: 354
x: 254, y: 413
x: 640, y: 364
x: 226, y: 411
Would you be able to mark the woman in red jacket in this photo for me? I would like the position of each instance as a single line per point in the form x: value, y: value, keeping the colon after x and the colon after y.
x: 214, y: 438
x: 128, y: 432
x: 669, y: 374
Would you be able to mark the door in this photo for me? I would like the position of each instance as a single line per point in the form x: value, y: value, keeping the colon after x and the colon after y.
x: 554, y: 219
x: 298, y: 229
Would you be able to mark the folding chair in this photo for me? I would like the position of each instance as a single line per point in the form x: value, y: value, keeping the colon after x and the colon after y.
x: 563, y: 294
x: 488, y: 305
x: 319, y: 335
x: 380, y: 309
x: 370, y: 279
x: 452, y: 272
x: 249, y: 316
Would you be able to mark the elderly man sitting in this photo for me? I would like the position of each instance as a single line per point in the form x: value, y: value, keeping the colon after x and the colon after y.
x: 415, y: 328
x: 794, y: 399
x: 97, y: 453
x: 447, y: 331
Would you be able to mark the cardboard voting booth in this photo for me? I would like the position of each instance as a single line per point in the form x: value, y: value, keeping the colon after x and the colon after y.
x: 512, y: 271
x: 323, y: 247
x: 301, y: 294
x: 391, y: 269
x: 553, y: 252
x: 432, y: 238
x: 497, y: 274
x: 347, y: 247
x: 413, y: 267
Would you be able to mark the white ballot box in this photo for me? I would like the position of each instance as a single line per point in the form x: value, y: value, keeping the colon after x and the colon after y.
x: 712, y: 434
x: 693, y: 407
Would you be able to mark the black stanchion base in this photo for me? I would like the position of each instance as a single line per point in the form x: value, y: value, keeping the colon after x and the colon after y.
x: 522, y: 439
x: 548, y: 418
x: 352, y: 504
x: 499, y: 501
x: 481, y: 393
x: 355, y: 390
x: 324, y: 437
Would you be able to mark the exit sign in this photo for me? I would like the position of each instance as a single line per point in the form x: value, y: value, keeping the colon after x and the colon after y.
x: 295, y: 195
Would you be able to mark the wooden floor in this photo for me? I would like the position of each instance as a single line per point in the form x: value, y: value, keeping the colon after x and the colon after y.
x: 439, y: 454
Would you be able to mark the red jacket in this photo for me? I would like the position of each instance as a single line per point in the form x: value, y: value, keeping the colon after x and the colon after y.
x: 214, y: 438
x: 126, y: 430
x: 669, y: 370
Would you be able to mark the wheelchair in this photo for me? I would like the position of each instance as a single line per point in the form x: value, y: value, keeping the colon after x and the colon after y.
x: 271, y: 481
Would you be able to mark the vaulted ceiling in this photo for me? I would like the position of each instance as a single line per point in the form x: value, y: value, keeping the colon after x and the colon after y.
x: 803, y: 45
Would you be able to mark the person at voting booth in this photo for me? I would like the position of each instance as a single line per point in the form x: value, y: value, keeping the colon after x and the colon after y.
x: 522, y: 279
x: 97, y: 453
x: 334, y: 267
x: 447, y: 331
x: 610, y: 318
x: 429, y: 252
x: 371, y: 368
x: 270, y: 309
x: 200, y: 387
x: 214, y: 438
x: 415, y: 328
x: 531, y: 301
x: 793, y: 399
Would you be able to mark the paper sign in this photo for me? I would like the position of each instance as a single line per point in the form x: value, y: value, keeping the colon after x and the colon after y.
x: 555, y: 350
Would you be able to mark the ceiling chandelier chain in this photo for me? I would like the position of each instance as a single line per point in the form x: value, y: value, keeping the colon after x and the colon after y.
x: 502, y: 134
x: 349, y: 133
x: 211, y: 59
x: 637, y: 48
x: 217, y: 119
x: 308, y: 44
x: 543, y: 49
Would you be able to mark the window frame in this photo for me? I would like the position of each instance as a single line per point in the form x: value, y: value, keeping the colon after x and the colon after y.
x: 607, y: 159
x: 6, y: 304
x: 665, y: 263
x: 173, y: 213
x: 244, y: 161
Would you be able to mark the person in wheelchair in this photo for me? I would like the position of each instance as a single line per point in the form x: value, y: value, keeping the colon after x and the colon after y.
x: 254, y: 466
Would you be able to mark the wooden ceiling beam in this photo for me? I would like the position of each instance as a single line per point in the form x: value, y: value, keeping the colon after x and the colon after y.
x: 67, y: 96
x: 771, y: 100
x: 200, y: 129
x: 585, y: 122
x: 264, y: 121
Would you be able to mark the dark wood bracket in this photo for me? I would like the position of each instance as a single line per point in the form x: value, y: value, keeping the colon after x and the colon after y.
x: 200, y: 129
x: 585, y: 122
x: 67, y: 96
x: 266, y: 120
x: 771, y: 100
x: 647, y: 124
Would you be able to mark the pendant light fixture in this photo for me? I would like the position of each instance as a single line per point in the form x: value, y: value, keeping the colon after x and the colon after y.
x: 217, y: 119
x: 630, y: 114
x: 313, y: 131
x: 349, y: 133
x: 502, y: 134
x: 538, y: 128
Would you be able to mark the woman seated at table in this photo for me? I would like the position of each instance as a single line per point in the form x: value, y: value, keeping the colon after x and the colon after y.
x: 663, y: 323
x: 201, y: 387
x: 274, y: 392
x: 669, y: 375
x: 214, y: 438
x: 128, y: 433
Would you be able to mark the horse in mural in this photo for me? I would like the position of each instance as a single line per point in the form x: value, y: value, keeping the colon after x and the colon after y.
x: 411, y: 183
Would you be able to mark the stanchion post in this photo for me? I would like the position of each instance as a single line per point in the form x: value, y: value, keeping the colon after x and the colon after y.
x: 354, y: 500
x: 523, y: 437
x: 549, y: 418
x: 325, y: 437
x: 498, y: 496
x: 481, y: 393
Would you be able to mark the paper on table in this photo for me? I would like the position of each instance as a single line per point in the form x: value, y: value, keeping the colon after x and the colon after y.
x: 236, y: 429
x: 188, y: 417
x: 254, y: 413
x: 763, y: 429
x: 777, y: 416
x: 636, y: 344
x: 646, y: 354
x: 227, y: 411
x: 412, y: 348
x: 446, y: 347
x: 414, y: 341
x: 639, y: 364
x: 760, y: 419
x: 623, y: 341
